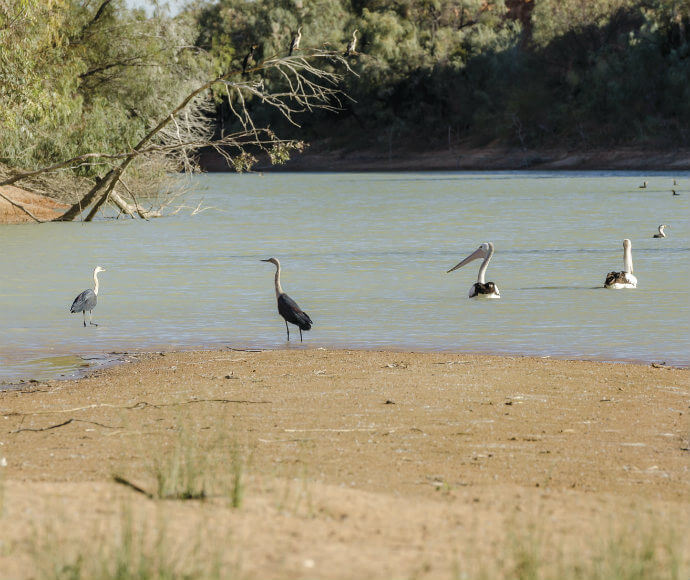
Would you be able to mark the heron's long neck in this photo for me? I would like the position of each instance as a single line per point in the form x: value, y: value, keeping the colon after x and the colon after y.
x: 483, y: 267
x: 95, y: 283
x: 627, y: 261
x: 279, y: 289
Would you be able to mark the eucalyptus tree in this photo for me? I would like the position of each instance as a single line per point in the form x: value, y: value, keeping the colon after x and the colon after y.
x: 146, y: 94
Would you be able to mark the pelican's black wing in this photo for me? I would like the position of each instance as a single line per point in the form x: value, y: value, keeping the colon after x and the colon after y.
x: 289, y: 310
x: 85, y: 301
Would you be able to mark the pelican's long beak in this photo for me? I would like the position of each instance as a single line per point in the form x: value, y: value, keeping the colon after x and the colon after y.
x: 478, y: 253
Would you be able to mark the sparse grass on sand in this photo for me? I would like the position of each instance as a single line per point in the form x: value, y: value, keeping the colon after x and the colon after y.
x: 347, y: 464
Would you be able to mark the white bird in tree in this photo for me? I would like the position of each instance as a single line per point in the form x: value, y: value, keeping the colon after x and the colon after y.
x: 352, y: 44
x: 294, y: 45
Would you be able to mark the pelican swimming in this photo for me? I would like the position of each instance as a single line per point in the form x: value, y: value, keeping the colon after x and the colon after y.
x: 481, y: 289
x: 287, y: 307
x: 661, y: 233
x: 87, y: 299
x: 624, y: 279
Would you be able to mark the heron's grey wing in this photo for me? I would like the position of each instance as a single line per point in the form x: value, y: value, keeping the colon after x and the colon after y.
x: 291, y: 312
x: 85, y: 301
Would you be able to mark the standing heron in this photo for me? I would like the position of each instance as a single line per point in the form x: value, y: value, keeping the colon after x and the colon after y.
x: 481, y: 289
x: 287, y: 307
x: 87, y: 299
x: 662, y: 233
x: 352, y: 44
x: 294, y: 45
x: 624, y: 279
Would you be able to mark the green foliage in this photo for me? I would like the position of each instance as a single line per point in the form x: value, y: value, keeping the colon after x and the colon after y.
x: 554, y: 72
x: 80, y: 76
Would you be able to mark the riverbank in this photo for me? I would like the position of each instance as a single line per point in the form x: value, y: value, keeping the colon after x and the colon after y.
x: 344, y: 464
x: 318, y: 157
x: 17, y: 206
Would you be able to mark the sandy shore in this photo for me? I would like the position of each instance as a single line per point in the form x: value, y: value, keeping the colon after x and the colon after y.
x: 348, y: 464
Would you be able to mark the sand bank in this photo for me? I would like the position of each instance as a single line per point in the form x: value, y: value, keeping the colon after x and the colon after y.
x: 348, y: 464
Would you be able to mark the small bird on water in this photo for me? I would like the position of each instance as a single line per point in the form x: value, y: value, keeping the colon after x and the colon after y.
x: 287, y: 307
x: 662, y: 233
x: 87, y: 299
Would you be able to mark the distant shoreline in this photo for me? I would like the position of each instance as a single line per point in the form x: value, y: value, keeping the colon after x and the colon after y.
x: 472, y: 159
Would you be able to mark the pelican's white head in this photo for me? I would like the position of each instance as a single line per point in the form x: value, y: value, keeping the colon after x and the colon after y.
x: 483, y: 251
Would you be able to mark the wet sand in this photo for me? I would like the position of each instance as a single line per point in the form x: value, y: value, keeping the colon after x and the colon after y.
x: 349, y: 464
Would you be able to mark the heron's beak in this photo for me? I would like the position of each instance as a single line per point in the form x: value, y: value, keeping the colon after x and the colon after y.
x: 478, y: 253
x: 265, y: 260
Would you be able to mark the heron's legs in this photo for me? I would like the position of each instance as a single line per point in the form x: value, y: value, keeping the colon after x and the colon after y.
x: 300, y: 334
x: 91, y: 322
x: 84, y: 313
x: 288, y: 330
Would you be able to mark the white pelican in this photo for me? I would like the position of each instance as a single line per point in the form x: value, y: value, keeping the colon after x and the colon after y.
x: 624, y: 279
x: 661, y: 233
x: 481, y: 289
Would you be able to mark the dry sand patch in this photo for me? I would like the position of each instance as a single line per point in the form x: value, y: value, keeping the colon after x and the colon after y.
x: 353, y: 463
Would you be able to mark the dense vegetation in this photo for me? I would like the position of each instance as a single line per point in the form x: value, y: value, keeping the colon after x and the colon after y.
x: 94, y: 75
x: 79, y: 76
x: 524, y: 72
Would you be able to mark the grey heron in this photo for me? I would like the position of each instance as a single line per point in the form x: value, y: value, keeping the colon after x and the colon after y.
x: 625, y: 278
x: 662, y: 233
x: 287, y: 307
x: 87, y: 299
x: 352, y: 44
x: 294, y: 45
x: 481, y: 289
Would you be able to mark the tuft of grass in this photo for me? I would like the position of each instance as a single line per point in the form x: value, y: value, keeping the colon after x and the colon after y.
x: 645, y: 552
x: 195, y: 469
x: 135, y: 550
x: 2, y: 491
